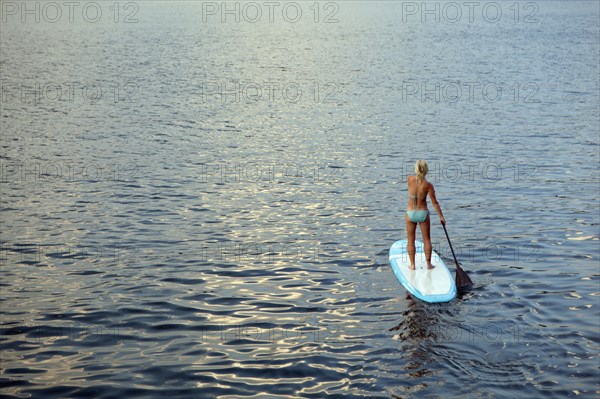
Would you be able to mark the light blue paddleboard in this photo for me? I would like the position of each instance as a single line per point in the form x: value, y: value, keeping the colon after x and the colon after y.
x: 435, y: 285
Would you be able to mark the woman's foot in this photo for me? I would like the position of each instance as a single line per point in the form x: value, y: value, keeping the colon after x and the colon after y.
x: 430, y: 266
x: 411, y: 267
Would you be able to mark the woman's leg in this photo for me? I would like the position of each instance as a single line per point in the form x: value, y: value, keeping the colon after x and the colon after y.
x: 411, y: 227
x: 427, y: 241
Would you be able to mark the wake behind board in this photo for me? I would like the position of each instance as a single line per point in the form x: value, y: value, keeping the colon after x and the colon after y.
x: 435, y: 285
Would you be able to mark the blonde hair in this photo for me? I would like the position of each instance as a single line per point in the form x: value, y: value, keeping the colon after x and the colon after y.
x: 421, y: 169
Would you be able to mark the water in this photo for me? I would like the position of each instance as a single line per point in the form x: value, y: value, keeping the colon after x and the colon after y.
x: 161, y: 239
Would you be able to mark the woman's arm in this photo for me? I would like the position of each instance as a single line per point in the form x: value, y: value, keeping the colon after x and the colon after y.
x: 436, y: 205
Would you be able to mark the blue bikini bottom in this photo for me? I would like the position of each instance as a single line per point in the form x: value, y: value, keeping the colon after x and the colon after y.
x: 417, y: 216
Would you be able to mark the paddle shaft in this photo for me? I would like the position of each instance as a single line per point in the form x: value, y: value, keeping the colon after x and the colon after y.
x: 452, y: 249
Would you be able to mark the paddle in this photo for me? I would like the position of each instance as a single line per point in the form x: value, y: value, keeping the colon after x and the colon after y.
x: 463, y: 282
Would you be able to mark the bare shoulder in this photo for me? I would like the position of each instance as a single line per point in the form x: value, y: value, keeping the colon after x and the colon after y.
x: 430, y: 186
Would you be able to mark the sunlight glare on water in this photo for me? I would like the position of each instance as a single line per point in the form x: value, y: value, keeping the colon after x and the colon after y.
x: 198, y: 207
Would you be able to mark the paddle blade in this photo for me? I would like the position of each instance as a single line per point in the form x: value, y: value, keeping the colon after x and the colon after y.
x: 462, y: 280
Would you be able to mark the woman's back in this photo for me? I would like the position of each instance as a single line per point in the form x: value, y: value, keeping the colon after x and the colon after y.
x: 417, y: 193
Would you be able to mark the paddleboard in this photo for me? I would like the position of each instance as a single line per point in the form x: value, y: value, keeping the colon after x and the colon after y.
x: 434, y: 285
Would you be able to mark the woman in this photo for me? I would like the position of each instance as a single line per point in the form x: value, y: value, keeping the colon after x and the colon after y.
x: 417, y: 212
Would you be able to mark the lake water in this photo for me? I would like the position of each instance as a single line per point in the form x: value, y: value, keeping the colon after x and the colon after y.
x: 198, y: 207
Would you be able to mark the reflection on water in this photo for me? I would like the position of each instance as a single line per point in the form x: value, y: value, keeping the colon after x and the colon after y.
x: 419, y: 326
x: 161, y: 238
